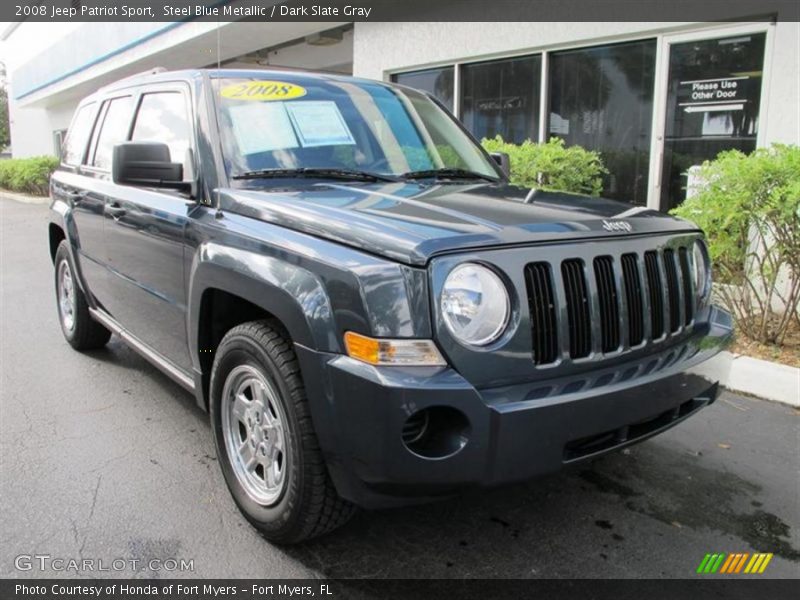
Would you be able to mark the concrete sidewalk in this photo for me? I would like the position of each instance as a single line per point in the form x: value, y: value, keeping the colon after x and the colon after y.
x: 24, y: 198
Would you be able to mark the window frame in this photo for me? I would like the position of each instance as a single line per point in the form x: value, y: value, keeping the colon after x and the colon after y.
x: 97, y: 130
x: 170, y: 88
x: 136, y: 93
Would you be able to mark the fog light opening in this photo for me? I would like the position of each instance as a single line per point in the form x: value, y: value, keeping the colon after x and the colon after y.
x: 436, y: 432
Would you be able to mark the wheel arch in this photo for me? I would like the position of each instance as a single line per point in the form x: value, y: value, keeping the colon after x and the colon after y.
x: 61, y: 227
x: 230, y: 286
x: 55, y: 235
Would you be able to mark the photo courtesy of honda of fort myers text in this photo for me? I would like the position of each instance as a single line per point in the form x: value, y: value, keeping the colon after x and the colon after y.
x: 399, y: 299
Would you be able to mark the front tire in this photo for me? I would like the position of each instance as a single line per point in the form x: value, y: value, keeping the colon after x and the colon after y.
x: 265, y: 439
x: 79, y: 328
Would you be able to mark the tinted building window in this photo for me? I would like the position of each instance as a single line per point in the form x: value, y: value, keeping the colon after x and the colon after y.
x: 78, y: 135
x: 114, y: 130
x: 502, y: 97
x: 437, y: 82
x: 163, y: 118
x: 602, y: 99
x: 712, y: 105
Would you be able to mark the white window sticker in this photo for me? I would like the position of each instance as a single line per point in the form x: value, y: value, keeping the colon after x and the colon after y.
x: 261, y: 127
x: 319, y: 123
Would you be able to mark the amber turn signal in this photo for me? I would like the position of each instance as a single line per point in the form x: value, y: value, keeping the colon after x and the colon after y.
x: 382, y: 352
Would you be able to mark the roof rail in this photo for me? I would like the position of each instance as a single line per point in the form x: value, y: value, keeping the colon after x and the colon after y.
x: 153, y: 71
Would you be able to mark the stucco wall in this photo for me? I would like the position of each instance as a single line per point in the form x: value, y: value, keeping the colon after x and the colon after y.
x: 32, y: 128
x: 392, y: 46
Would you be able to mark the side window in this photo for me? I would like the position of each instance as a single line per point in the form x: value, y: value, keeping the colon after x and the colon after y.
x: 114, y: 130
x: 78, y: 134
x: 163, y: 118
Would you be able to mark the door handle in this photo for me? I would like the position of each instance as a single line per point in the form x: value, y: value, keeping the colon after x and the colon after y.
x: 115, y: 210
x: 75, y: 197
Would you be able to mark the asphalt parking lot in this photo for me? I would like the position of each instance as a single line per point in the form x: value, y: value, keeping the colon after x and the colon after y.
x: 103, y: 457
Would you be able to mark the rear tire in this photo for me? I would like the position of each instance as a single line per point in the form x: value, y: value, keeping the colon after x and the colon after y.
x: 79, y: 328
x: 267, y: 448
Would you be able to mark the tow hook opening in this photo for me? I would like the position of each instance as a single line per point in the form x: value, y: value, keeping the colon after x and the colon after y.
x: 436, y: 432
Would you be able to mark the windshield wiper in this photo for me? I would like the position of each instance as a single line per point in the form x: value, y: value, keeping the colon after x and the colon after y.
x: 316, y: 173
x: 447, y: 173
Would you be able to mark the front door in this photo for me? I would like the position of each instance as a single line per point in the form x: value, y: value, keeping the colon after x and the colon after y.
x: 713, y: 101
x: 144, y: 233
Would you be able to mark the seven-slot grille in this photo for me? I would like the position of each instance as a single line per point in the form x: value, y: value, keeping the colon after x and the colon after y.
x: 610, y: 303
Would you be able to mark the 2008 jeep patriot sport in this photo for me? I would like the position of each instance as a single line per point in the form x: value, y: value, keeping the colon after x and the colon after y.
x: 370, y: 313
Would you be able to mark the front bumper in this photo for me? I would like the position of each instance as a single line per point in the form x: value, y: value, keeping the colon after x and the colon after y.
x: 514, y: 432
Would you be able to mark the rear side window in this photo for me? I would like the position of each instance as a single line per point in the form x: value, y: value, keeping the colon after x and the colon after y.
x: 78, y: 135
x: 163, y: 117
x: 114, y: 130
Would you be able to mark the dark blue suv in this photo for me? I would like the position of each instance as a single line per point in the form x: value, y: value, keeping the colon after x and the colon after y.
x: 370, y: 313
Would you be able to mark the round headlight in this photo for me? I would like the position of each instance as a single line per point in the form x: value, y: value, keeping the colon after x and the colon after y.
x: 475, y: 304
x: 701, y: 267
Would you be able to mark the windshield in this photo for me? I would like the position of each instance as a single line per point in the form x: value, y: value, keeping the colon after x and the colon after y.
x: 299, y: 122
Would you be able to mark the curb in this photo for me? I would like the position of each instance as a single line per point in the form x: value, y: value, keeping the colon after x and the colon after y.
x: 756, y: 377
x: 24, y: 198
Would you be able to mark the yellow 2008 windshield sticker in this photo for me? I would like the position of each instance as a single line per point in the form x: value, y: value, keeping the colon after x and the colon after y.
x: 262, y: 91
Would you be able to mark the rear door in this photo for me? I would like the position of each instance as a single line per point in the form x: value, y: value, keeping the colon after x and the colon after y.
x: 69, y: 185
x: 144, y: 231
x: 111, y: 127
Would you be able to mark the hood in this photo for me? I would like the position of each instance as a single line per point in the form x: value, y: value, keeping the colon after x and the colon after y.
x: 411, y: 222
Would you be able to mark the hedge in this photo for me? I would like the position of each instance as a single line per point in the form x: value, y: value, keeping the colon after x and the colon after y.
x: 749, y: 207
x: 27, y: 175
x: 552, y: 166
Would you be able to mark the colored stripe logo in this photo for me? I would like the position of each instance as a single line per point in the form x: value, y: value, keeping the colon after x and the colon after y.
x: 734, y: 563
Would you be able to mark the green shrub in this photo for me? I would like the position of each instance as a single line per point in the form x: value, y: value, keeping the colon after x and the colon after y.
x: 749, y: 208
x: 552, y: 166
x: 27, y: 175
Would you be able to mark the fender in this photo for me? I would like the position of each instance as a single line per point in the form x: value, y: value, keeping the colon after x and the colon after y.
x: 294, y: 295
x: 300, y: 291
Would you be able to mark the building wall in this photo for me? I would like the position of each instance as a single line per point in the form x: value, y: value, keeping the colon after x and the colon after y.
x: 782, y: 112
x: 383, y: 48
x: 653, y: 172
x: 36, y: 56
x: 32, y: 128
x: 47, y: 83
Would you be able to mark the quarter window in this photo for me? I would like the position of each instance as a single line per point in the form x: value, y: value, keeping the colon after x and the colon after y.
x: 78, y: 134
x: 163, y: 118
x: 114, y: 130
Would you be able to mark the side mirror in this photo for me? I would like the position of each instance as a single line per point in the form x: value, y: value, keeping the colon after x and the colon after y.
x: 501, y: 158
x: 146, y: 164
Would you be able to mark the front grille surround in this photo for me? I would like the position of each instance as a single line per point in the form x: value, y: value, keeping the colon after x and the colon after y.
x: 609, y: 303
